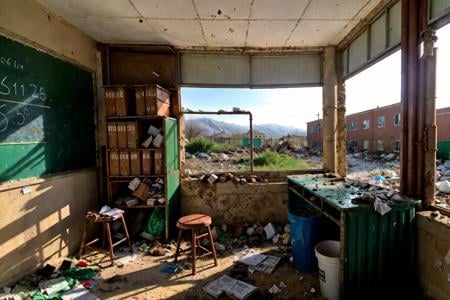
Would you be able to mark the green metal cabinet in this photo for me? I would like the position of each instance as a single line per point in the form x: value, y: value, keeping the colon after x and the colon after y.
x: 171, y: 162
x: 443, y: 150
x: 377, y: 252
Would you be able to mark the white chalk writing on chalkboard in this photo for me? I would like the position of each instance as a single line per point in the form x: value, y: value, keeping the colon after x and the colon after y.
x: 8, y: 88
x: 8, y: 61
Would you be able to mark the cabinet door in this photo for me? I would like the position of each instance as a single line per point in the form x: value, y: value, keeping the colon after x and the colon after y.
x: 171, y: 149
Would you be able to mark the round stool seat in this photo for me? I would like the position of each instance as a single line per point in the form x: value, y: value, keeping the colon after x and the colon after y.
x: 194, y: 221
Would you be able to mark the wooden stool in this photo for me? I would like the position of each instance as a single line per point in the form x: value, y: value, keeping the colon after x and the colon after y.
x: 195, y: 223
x: 92, y: 217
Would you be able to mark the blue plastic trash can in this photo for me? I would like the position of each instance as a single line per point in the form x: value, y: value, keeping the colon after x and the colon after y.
x: 304, y: 237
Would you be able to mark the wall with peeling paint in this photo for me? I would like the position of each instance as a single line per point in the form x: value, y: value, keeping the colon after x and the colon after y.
x: 229, y: 203
x: 45, y: 224
x: 433, y: 239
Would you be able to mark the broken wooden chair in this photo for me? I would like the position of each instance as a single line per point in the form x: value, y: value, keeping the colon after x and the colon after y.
x: 105, y: 221
x: 195, y: 223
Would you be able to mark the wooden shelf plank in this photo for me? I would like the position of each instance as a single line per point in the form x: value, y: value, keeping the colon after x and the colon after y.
x: 132, y: 149
x: 141, y: 206
x: 112, y: 177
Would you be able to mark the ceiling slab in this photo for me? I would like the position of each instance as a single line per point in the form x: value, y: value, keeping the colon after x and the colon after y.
x: 215, y: 23
x: 108, y: 30
x: 273, y: 10
x: 334, y: 10
x: 158, y: 9
x: 226, y: 10
x: 269, y: 33
x: 92, y: 8
x: 316, y: 33
x: 219, y: 33
x: 179, y: 32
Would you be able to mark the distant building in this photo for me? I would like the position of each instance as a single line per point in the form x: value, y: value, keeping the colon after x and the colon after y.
x: 221, y: 138
x: 376, y: 130
x: 258, y: 139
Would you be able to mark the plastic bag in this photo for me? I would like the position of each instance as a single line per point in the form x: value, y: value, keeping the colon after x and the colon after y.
x: 155, y: 223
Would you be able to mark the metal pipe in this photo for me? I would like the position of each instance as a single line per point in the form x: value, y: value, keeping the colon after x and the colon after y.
x: 222, y: 112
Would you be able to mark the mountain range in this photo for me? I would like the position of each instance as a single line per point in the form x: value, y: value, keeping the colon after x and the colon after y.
x: 211, y: 126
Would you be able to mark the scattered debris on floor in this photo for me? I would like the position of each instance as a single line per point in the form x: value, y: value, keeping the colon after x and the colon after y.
x: 231, y: 287
x: 65, y: 283
x: 252, y: 259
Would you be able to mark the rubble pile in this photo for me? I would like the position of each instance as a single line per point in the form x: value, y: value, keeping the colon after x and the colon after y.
x: 443, y: 184
x: 212, y: 178
x: 230, y: 238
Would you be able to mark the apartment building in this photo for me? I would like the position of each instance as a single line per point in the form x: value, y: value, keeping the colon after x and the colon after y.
x: 376, y: 130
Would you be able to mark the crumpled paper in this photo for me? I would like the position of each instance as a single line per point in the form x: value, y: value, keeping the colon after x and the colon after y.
x: 381, y: 207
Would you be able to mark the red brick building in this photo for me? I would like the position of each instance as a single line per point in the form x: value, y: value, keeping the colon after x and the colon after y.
x: 376, y: 129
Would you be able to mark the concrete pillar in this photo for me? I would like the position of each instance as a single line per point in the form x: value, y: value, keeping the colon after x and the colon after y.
x: 418, y: 139
x: 329, y: 98
x: 341, y: 148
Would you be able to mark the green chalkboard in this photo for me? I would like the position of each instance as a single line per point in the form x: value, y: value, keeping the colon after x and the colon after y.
x: 46, y: 113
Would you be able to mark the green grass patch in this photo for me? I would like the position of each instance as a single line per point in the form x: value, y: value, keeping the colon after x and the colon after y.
x: 272, y: 161
x: 199, y: 144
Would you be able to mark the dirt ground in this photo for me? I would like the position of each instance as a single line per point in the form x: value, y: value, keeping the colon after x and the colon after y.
x: 142, y: 278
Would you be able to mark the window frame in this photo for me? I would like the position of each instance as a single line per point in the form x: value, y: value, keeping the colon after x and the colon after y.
x: 378, y: 121
x: 366, y: 125
x: 364, y: 145
x: 380, y: 142
x: 399, y: 119
x: 397, y: 142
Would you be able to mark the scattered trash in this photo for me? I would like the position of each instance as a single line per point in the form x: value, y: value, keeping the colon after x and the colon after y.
x: 250, y: 231
x: 282, y: 285
x: 219, y: 247
x: 381, y: 207
x: 47, y: 270
x: 54, y: 286
x: 79, y: 293
x: 438, y: 265
x: 443, y: 186
x: 82, y: 264
x: 213, y: 178
x: 171, y: 269
x: 268, y: 265
x: 274, y: 289
x: 270, y: 231
x: 252, y: 259
x: 276, y: 238
x: 231, y: 287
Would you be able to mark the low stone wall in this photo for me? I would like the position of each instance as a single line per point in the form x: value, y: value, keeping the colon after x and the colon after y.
x: 229, y: 203
x: 433, y: 240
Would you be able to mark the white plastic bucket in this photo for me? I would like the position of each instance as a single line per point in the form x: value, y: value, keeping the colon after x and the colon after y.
x: 328, y: 255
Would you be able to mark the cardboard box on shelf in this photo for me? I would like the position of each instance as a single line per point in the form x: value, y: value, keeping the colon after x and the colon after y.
x: 123, y: 96
x: 132, y: 135
x: 112, y: 135
x: 122, y: 141
x: 124, y: 162
x: 114, y: 169
x: 158, y: 161
x: 110, y: 102
x: 146, y: 162
x: 135, y: 162
x: 157, y: 101
x: 140, y: 100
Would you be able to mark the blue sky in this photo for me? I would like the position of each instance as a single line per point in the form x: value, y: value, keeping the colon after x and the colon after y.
x: 378, y: 85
